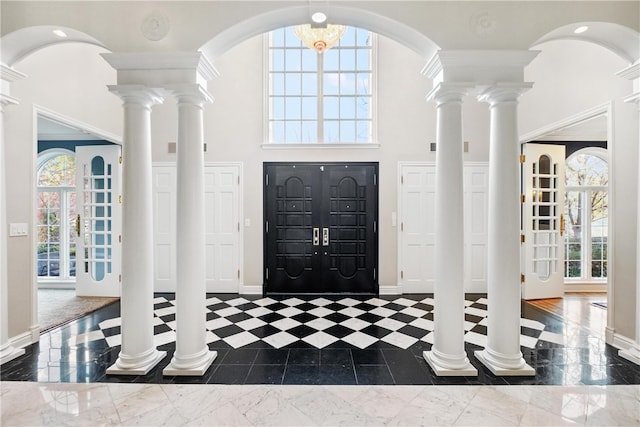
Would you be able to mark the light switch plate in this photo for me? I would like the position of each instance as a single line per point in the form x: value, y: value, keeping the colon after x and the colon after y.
x: 17, y: 229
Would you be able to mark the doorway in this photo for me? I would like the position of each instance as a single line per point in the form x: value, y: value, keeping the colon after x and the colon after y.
x: 76, y: 218
x: 321, y: 228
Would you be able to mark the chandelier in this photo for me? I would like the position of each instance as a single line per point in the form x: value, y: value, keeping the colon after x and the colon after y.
x: 319, y: 38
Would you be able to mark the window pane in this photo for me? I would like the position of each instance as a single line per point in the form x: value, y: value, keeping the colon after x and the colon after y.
x: 293, y: 108
x: 277, y: 84
x: 331, y: 131
x: 347, y: 108
x: 331, y: 58
x: 277, y: 59
x: 277, y: 132
x: 331, y: 107
x: 309, y: 132
x: 309, y: 60
x: 362, y: 105
x: 347, y: 59
x: 347, y: 131
x: 293, y: 131
x: 310, y: 108
x: 347, y: 84
x: 291, y: 40
x: 309, y: 84
x: 277, y: 37
x: 363, y: 86
x: 363, y: 37
x: 348, y: 38
x: 277, y: 108
x: 364, y: 132
x: 293, y: 59
x: 331, y: 83
x: 293, y: 84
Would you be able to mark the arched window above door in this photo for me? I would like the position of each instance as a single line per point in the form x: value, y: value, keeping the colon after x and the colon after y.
x: 316, y: 98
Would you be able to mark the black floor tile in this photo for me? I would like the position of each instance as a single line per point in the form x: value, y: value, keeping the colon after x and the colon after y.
x: 302, y: 374
x: 373, y: 375
x: 336, y: 375
x: 304, y: 356
x: 266, y: 374
x: 230, y: 374
x: 272, y: 356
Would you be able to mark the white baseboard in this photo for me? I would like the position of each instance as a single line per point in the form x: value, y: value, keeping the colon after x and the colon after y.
x: 250, y: 290
x: 390, y: 290
x: 621, y: 342
x: 585, y: 287
x: 23, y: 340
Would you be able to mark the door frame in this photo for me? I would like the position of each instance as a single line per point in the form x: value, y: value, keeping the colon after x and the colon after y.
x: 606, y: 109
x: 376, y: 219
x: 39, y: 110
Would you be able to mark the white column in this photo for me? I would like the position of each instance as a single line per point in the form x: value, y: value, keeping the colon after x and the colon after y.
x: 192, y: 355
x: 138, y: 354
x: 633, y: 353
x: 447, y: 356
x: 502, y: 354
x: 7, y: 351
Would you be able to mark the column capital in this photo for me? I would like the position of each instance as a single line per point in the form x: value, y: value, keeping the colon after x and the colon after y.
x: 137, y: 94
x: 449, y: 92
x: 191, y: 93
x: 504, y: 92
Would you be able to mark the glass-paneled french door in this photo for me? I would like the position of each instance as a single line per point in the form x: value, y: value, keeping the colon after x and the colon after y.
x: 98, y: 222
x: 543, y: 223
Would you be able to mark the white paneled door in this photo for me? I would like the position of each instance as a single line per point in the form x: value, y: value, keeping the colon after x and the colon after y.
x: 222, y: 227
x: 98, y: 221
x: 543, y: 221
x: 416, y: 227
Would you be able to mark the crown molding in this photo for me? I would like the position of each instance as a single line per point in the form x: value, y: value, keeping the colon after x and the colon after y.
x: 10, y: 75
x: 632, y: 72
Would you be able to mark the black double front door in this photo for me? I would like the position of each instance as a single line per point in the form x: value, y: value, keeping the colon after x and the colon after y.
x: 321, y: 228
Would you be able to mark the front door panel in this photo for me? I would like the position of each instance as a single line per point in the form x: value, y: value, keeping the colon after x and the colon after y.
x: 320, y: 228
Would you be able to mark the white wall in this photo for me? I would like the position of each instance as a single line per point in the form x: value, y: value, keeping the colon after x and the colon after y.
x: 69, y: 79
x: 587, y: 75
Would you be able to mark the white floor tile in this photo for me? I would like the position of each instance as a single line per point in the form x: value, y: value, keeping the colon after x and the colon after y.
x: 360, y: 340
x: 241, y: 339
x: 320, y: 312
x: 383, y: 312
x: 249, y: 324
x: 400, y: 340
x: 320, y: 324
x: 285, y: 324
x: 280, y: 339
x: 355, y: 324
x: 387, y: 323
x: 289, y: 311
x: 218, y: 323
x: 421, y: 323
x: 351, y: 312
x: 320, y: 339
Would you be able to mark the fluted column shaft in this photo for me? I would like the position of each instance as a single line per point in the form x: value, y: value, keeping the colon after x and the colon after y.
x: 447, y: 356
x: 502, y: 354
x: 138, y: 354
x: 192, y: 356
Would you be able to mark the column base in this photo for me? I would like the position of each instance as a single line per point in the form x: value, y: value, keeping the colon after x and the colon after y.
x: 465, y: 371
x: 524, y: 371
x: 632, y: 354
x: 10, y: 353
x: 196, y: 371
x: 142, y: 369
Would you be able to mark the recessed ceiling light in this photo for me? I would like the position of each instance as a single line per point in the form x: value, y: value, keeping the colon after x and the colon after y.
x: 318, y: 17
x: 60, y: 33
x: 581, y: 29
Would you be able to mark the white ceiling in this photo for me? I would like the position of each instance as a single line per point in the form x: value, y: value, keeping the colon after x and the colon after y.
x: 594, y: 129
x: 50, y: 130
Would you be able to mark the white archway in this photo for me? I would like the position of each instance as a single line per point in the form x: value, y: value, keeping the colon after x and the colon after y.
x: 268, y: 21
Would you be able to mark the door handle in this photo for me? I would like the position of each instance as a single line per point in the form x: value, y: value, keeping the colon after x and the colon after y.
x: 316, y: 236
x: 78, y: 225
x: 562, y: 225
x: 325, y: 237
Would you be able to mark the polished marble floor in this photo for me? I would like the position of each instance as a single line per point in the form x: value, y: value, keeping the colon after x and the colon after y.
x: 323, y: 341
x: 35, y: 404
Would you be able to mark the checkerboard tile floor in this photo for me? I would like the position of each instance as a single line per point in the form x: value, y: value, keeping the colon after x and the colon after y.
x: 320, y: 322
